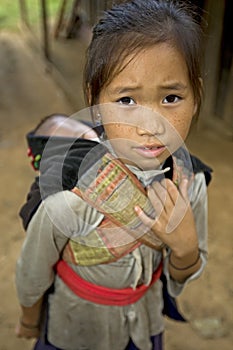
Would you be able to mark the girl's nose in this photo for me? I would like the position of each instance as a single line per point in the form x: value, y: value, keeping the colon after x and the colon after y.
x: 149, y: 122
x: 152, y: 129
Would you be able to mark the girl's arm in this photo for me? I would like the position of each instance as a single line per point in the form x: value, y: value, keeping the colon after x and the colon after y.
x: 35, y: 268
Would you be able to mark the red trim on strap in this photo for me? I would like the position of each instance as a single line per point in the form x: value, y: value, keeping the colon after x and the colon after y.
x: 99, y: 294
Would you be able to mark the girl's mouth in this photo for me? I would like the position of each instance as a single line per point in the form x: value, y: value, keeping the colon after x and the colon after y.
x: 150, y: 151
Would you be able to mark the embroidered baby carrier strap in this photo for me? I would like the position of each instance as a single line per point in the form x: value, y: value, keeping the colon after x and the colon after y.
x: 114, y: 191
x: 111, y: 188
x: 100, y: 246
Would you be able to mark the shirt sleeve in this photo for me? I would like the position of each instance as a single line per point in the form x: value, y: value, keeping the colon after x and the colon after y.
x: 200, y: 212
x: 59, y: 217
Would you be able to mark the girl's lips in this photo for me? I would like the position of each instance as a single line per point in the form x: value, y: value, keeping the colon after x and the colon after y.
x: 150, y: 152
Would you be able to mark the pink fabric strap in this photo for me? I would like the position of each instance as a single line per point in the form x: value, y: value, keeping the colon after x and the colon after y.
x: 99, y: 294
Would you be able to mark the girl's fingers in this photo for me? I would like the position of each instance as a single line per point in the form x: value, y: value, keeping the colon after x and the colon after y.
x: 180, y: 208
x: 183, y: 188
x: 163, y: 196
x: 168, y: 203
x: 168, y: 194
x: 157, y: 196
x: 151, y: 238
x: 173, y: 192
x: 159, y: 190
x: 146, y: 220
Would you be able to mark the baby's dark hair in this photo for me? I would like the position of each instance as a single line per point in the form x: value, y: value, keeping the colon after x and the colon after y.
x: 133, y: 26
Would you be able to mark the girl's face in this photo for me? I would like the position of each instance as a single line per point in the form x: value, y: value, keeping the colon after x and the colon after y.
x: 156, y: 79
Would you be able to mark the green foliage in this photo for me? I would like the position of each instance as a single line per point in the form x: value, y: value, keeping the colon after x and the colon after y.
x: 9, y: 14
x: 10, y: 17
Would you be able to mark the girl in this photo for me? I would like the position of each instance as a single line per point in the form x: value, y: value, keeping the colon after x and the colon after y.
x: 103, y: 244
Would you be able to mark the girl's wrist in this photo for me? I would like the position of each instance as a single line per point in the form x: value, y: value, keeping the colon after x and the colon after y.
x: 28, y: 325
x: 187, y: 263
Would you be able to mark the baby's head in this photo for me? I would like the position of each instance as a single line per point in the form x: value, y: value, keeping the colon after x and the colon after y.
x: 59, y: 126
x: 62, y: 125
x: 134, y: 26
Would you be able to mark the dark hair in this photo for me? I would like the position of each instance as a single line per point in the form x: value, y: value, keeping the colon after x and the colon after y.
x: 132, y: 26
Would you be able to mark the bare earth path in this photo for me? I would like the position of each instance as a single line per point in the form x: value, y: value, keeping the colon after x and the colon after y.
x: 28, y: 93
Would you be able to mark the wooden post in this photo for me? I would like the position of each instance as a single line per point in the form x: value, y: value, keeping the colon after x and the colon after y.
x: 45, y: 29
x: 215, y: 10
x: 228, y: 110
x: 60, y: 18
x: 24, y: 13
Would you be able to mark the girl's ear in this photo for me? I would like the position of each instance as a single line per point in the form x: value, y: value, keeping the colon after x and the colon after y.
x: 96, y: 115
x: 196, y: 106
x: 195, y: 109
x: 88, y: 95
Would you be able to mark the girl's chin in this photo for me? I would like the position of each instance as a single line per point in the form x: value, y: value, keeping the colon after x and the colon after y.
x: 148, y: 165
x: 145, y: 163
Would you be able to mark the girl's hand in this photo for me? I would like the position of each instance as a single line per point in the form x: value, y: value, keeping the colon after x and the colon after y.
x: 174, y: 223
x: 27, y: 331
x: 29, y: 323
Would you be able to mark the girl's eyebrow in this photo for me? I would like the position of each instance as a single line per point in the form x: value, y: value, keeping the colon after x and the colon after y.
x: 174, y: 86
x: 124, y: 89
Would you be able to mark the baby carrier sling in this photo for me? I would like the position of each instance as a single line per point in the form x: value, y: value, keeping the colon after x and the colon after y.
x: 69, y: 178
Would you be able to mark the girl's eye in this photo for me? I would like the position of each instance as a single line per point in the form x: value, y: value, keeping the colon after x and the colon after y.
x: 171, y: 99
x: 126, y: 101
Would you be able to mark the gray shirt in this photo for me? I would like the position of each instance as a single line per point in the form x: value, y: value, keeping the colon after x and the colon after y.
x: 75, y: 323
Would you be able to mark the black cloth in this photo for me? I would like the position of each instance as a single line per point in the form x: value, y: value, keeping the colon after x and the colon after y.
x: 32, y: 203
x: 60, y: 169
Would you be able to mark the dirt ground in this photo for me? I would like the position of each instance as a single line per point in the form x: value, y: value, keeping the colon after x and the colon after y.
x: 28, y: 92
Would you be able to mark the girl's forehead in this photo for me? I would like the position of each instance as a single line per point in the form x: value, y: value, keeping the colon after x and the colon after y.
x: 161, y: 60
x: 151, y: 53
